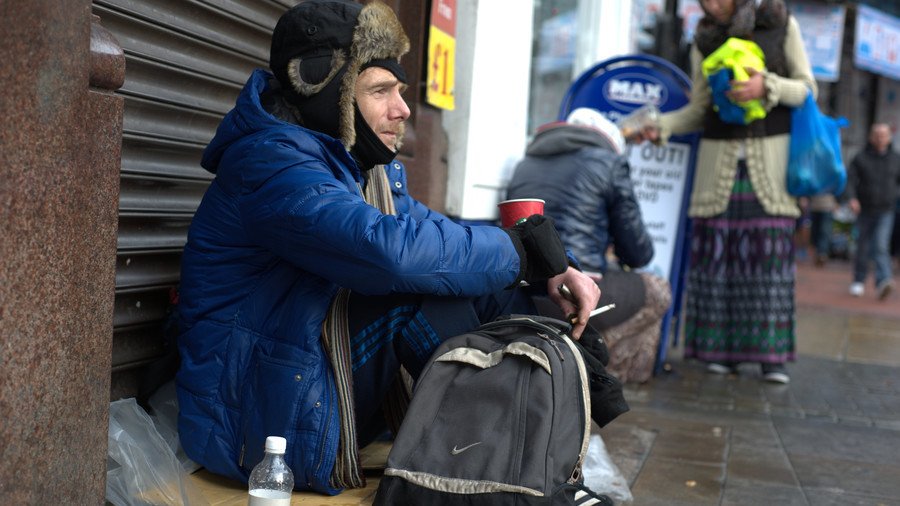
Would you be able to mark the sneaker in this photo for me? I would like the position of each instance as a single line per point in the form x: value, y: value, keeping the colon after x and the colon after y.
x: 857, y: 289
x: 722, y: 368
x: 885, y: 288
x: 775, y: 373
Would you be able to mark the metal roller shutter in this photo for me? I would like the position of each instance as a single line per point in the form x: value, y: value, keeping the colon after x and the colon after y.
x: 186, y: 60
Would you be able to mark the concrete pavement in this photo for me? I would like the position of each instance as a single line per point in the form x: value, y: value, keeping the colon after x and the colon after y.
x: 832, y: 436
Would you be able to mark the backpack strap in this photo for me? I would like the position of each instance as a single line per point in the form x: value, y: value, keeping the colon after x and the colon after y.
x: 544, y: 323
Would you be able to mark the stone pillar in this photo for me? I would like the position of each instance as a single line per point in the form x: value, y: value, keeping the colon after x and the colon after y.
x: 60, y: 142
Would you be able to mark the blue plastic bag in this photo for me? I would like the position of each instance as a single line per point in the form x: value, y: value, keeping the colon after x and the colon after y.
x: 815, y: 165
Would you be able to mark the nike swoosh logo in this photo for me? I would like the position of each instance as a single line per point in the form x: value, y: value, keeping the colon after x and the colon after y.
x: 457, y: 451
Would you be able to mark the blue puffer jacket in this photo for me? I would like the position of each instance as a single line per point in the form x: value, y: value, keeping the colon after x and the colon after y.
x: 588, y: 192
x: 282, y: 226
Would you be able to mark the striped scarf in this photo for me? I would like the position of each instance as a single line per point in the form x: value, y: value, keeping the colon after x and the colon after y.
x: 347, y: 472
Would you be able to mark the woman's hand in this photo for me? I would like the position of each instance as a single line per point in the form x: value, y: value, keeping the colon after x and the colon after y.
x: 585, y: 292
x: 753, y: 88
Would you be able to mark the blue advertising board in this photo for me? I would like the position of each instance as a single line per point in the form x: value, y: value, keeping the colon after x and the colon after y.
x: 662, y: 175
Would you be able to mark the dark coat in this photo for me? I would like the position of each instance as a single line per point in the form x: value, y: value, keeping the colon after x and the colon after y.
x: 873, y: 179
x: 588, y: 191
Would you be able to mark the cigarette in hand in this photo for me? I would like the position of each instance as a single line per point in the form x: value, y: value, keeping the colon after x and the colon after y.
x: 573, y: 318
x: 602, y: 309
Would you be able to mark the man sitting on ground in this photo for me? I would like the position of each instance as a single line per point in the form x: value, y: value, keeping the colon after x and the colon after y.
x: 310, y: 276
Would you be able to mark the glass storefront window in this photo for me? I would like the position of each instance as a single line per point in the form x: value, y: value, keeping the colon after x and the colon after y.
x: 553, y: 58
x: 568, y: 37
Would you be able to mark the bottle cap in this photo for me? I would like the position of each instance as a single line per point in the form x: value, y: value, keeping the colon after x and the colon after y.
x: 276, y: 444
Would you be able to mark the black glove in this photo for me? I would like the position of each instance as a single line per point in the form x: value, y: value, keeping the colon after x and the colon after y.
x: 541, y: 253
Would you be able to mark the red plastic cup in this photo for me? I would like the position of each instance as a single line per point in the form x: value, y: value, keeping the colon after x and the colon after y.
x: 515, y: 211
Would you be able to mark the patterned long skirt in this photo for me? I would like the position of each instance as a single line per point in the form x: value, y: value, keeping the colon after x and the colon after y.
x: 740, y: 286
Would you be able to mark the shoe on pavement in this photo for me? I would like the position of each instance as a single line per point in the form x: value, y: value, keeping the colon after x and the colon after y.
x: 885, y: 288
x: 857, y: 289
x: 775, y: 373
x: 722, y: 368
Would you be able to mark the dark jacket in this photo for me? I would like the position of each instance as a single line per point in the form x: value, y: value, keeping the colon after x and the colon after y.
x: 281, y: 228
x: 588, y: 191
x: 873, y: 178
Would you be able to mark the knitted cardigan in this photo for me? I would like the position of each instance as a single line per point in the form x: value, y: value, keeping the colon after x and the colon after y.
x: 766, y: 157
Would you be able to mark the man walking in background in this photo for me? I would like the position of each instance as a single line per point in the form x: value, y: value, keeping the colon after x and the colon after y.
x: 872, y: 182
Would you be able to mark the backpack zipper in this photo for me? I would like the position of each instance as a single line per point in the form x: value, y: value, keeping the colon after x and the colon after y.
x: 553, y: 344
x: 586, y: 401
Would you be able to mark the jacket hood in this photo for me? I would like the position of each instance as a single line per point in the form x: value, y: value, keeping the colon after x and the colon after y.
x: 566, y: 138
x: 249, y: 117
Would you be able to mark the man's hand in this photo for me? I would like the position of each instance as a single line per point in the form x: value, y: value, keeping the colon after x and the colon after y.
x: 854, y: 206
x: 585, y: 292
x: 743, y: 91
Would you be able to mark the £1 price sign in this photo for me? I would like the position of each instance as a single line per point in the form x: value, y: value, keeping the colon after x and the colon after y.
x: 441, y: 54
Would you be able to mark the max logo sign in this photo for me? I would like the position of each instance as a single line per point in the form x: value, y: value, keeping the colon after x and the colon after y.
x: 631, y: 90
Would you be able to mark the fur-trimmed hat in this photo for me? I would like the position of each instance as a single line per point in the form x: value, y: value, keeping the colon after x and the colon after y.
x: 321, y: 46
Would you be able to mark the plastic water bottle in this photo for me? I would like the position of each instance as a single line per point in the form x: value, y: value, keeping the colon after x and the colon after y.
x: 272, y: 481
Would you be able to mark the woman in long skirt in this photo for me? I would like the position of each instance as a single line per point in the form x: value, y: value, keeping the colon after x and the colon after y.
x: 740, y: 289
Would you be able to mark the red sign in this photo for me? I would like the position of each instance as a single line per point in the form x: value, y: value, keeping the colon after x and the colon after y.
x: 443, y: 15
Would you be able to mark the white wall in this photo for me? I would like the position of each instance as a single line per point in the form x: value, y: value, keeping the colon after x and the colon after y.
x: 487, y: 130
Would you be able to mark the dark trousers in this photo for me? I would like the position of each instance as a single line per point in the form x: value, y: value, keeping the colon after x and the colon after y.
x: 874, y: 244
x: 388, y: 331
x: 895, y: 234
x: 821, y: 232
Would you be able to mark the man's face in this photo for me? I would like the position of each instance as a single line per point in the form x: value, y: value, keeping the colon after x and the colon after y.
x: 378, y: 97
x: 880, y: 136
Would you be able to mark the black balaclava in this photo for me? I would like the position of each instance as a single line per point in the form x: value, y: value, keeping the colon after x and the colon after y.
x: 369, y: 151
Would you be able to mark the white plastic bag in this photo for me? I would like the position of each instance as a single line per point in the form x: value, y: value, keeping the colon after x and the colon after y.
x: 164, y: 413
x: 601, y: 474
x: 141, y: 467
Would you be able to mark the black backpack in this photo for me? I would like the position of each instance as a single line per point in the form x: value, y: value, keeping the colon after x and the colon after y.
x: 500, y: 415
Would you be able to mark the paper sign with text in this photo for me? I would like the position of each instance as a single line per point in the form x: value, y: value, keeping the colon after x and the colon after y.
x: 876, y: 46
x: 659, y: 174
